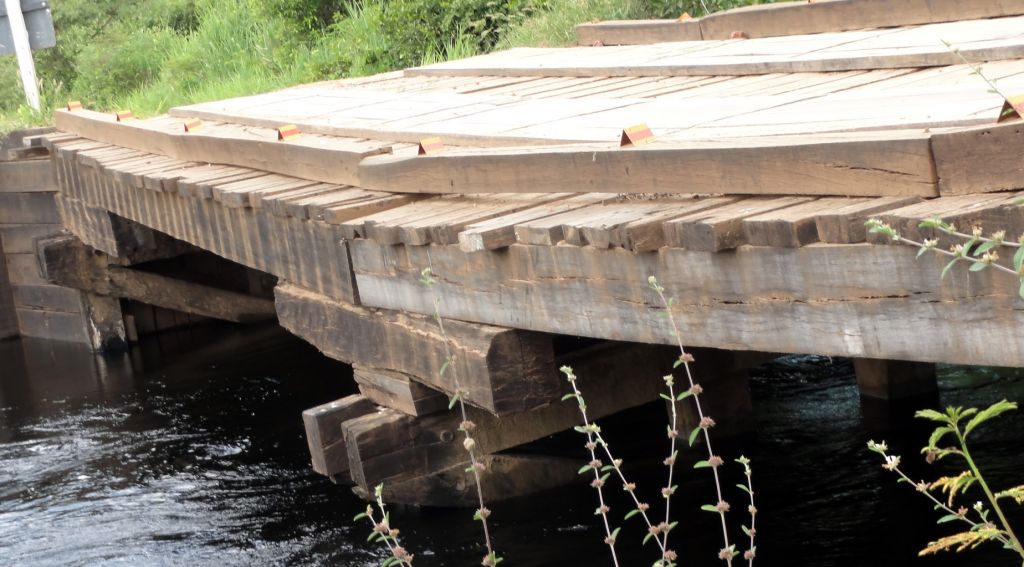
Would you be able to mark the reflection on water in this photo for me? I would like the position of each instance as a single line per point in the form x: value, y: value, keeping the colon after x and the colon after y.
x: 190, y: 452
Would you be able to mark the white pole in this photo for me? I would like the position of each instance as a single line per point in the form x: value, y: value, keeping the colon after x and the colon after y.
x: 24, y: 52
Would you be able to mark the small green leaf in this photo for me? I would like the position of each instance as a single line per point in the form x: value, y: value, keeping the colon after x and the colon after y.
x: 743, y: 487
x: 1018, y: 259
x: 444, y: 367
x: 709, y: 508
x: 568, y: 397
x: 677, y: 363
x: 453, y: 401
x: 947, y: 518
x: 693, y: 435
x: 630, y: 514
x: 978, y: 266
x: 359, y: 517
x: 683, y: 396
x: 615, y: 534
x: 988, y: 413
x: 932, y: 415
x: 647, y: 538
x: 584, y: 468
x: 1021, y: 290
x: 579, y: 429
x: 985, y: 247
x: 948, y: 266
x: 701, y: 465
x: 746, y: 530
x: 665, y: 397
x: 921, y: 251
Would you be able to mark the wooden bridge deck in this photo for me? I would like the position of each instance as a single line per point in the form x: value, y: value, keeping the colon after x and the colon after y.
x: 748, y: 206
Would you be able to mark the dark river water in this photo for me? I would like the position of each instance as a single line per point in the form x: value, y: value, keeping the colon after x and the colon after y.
x: 190, y: 451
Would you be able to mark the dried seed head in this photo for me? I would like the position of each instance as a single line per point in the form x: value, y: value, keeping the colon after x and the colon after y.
x: 673, y: 433
x: 715, y: 461
x: 706, y: 422
x: 469, y: 444
x: 603, y: 508
x: 644, y: 506
x: 617, y: 462
x: 484, y: 513
x: 664, y: 527
x: 669, y: 461
x: 654, y: 530
x: 597, y: 483
x: 401, y: 554
x: 722, y: 506
x: 669, y: 555
x: 748, y: 554
x: 629, y: 486
x: 467, y: 425
x: 596, y: 463
x: 667, y: 492
x: 696, y: 390
x: 686, y: 358
x: 726, y: 554
x: 480, y: 467
x: 488, y: 562
x: 976, y: 231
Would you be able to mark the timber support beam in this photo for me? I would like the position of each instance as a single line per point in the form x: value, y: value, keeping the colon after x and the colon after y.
x: 66, y: 261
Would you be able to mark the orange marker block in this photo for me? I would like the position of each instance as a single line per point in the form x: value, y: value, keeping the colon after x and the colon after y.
x: 288, y: 132
x: 430, y: 146
x: 636, y: 136
x: 738, y: 35
x: 192, y: 125
x: 74, y: 105
x: 1012, y: 109
x: 124, y: 116
x: 684, y: 16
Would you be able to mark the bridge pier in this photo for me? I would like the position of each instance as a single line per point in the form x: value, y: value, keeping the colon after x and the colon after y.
x: 893, y: 380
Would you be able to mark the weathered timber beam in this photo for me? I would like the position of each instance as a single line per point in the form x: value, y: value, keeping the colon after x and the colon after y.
x: 501, y: 370
x: 854, y: 300
x: 795, y: 18
x: 390, y: 446
x: 327, y: 450
x: 117, y: 236
x: 979, y: 160
x: 308, y: 157
x: 66, y: 261
x: 398, y: 391
x: 876, y: 164
x: 310, y: 253
x: 508, y: 476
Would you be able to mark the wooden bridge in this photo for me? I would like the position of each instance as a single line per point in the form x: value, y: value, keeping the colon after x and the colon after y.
x: 520, y: 180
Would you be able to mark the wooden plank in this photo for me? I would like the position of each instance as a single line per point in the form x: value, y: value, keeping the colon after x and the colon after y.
x: 492, y: 234
x: 309, y: 157
x: 501, y: 370
x: 28, y: 208
x: 721, y: 228
x: 390, y: 446
x: 792, y: 18
x: 327, y: 449
x: 648, y: 233
x: 979, y: 160
x: 845, y: 224
x: 52, y: 325
x: 637, y: 32
x: 793, y: 226
x: 838, y: 300
x: 247, y: 236
x: 398, y: 391
x: 18, y: 238
x: 23, y: 269
x: 964, y: 211
x: 8, y: 316
x: 48, y: 297
x: 69, y: 263
x: 27, y: 176
x: 875, y: 164
x: 341, y: 214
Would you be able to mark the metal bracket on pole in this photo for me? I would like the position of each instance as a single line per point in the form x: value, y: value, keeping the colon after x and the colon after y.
x: 23, y: 50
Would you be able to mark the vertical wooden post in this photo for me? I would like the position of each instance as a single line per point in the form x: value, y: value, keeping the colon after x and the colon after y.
x: 894, y: 379
x: 23, y: 50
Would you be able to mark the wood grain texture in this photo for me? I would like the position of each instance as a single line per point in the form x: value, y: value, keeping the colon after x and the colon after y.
x: 390, y: 446
x: 27, y: 176
x: 897, y: 164
x: 836, y: 300
x: 980, y: 160
x: 398, y: 391
x: 501, y: 370
x: 310, y: 157
x: 793, y: 18
x: 327, y: 451
x: 67, y: 262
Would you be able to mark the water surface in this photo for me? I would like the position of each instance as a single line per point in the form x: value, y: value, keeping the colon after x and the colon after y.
x: 190, y: 451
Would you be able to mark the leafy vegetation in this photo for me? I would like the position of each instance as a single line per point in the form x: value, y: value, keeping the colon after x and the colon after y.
x: 149, y: 55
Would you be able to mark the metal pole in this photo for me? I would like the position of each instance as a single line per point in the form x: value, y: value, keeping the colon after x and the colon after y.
x: 24, y: 52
